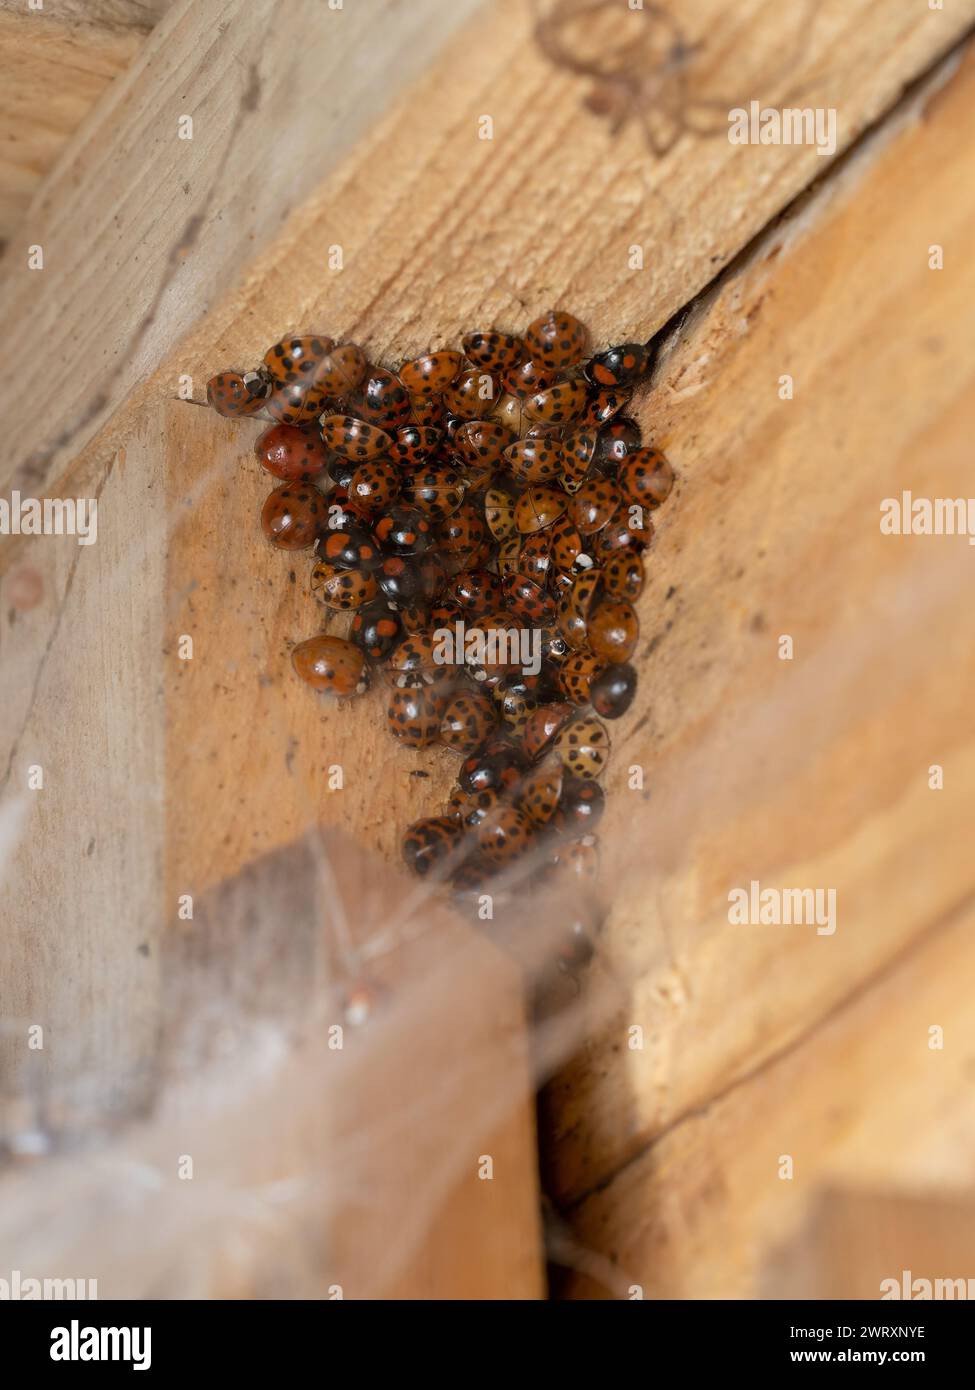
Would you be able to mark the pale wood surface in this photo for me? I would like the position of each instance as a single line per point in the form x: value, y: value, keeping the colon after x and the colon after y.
x: 855, y: 1241
x: 202, y: 777
x: 438, y: 227
x: 805, y: 773
x: 863, y: 1103
x: 56, y: 63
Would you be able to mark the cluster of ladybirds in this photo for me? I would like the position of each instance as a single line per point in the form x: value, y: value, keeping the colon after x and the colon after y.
x: 501, y: 487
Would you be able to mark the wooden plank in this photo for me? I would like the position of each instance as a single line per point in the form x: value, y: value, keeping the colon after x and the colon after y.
x: 274, y: 104
x: 878, y: 1245
x: 203, y: 778
x: 865, y: 1103
x: 815, y: 771
x: 427, y: 213
x: 56, y: 63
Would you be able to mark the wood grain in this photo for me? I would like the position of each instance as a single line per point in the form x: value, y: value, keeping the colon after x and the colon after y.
x: 56, y: 63
x: 864, y: 1104
x: 438, y: 227
x: 809, y: 772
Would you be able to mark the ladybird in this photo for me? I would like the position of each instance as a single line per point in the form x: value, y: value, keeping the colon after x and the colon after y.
x: 576, y: 674
x: 510, y: 413
x: 579, y: 860
x: 428, y: 411
x: 472, y: 394
x: 354, y: 439
x: 556, y: 340
x: 602, y: 405
x: 540, y: 791
x: 475, y: 592
x: 493, y: 350
x: 623, y: 574
x: 340, y: 372
x: 559, y: 404
x: 382, y: 400
x: 419, y: 660
x: 515, y: 699
x: 497, y: 766
x: 468, y: 722
x: 349, y: 547
x: 298, y: 402
x: 340, y: 470
x: 463, y: 538
x: 498, y: 653
x: 295, y: 359
x: 504, y: 835
x: 613, y: 630
x: 399, y: 578
x: 234, y: 394
x: 535, y: 556
x: 414, y: 444
x: 612, y: 691
x: 594, y: 504
x: 535, y: 460
x: 527, y: 600
x: 499, y: 512
x: 537, y: 507
x: 375, y: 485
x: 340, y: 588
x: 542, y: 726
x: 291, y: 454
x: 415, y: 617
x: 481, y: 443
x: 568, y: 549
x: 432, y: 372
x: 376, y: 629
x: 580, y: 807
x: 433, y: 576
x: 578, y: 453
x: 645, y: 477
x: 413, y: 715
x: 404, y: 531
x: 331, y: 664
x: 342, y: 513
x: 293, y: 515
x: 527, y: 378
x: 470, y: 808
x: 619, y: 366
x: 508, y: 555
x: 615, y: 440
x: 576, y: 606
x: 583, y: 746
x: 435, y: 488
x: 430, y: 842
x: 629, y: 528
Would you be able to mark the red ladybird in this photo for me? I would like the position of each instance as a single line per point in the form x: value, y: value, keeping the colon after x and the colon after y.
x: 341, y: 370
x: 413, y: 715
x: 331, y: 665
x: 493, y: 350
x: 382, y: 399
x: 527, y: 600
x: 375, y: 484
x: 473, y: 394
x: 612, y: 691
x: 354, y: 439
x: 557, y: 340
x: 481, y: 443
x: 293, y: 516
x: 340, y: 588
x: 613, y: 629
x: 236, y: 394
x: 429, y: 842
x: 432, y: 372
x: 295, y: 359
x: 292, y: 454
x: 645, y: 477
x: 468, y: 722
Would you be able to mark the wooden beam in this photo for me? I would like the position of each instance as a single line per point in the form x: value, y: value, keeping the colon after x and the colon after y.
x: 811, y: 771
x: 427, y: 213
x: 878, y: 1245
x: 865, y: 1103
x: 56, y: 62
